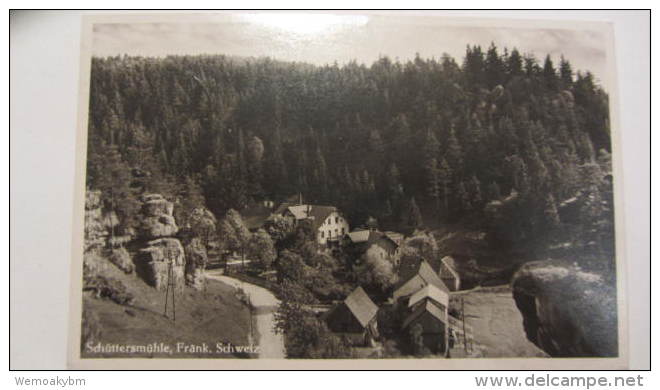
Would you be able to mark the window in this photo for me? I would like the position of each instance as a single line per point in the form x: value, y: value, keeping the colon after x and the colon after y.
x: 342, y: 231
x: 336, y: 219
x: 329, y: 233
x: 322, y: 234
x: 336, y: 232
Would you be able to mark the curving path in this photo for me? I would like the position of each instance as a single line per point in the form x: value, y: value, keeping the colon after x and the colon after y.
x: 265, y: 304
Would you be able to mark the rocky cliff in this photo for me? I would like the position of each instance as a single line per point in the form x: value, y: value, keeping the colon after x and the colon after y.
x: 567, y: 311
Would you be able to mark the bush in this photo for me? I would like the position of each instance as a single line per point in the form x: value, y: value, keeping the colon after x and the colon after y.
x: 109, y: 288
x: 121, y: 258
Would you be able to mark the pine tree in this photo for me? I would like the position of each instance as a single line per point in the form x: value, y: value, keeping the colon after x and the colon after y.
x: 464, y: 198
x: 494, y: 192
x: 454, y: 153
x: 494, y: 67
x: 445, y: 177
x: 551, y: 216
x: 549, y: 74
x: 565, y: 73
x: 413, y: 218
x: 515, y: 63
x: 255, y: 153
x: 433, y: 182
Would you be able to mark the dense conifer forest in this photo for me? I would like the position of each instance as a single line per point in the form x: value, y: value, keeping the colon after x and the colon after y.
x: 498, y: 141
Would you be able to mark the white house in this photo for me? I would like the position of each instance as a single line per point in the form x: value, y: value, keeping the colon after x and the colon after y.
x: 328, y: 222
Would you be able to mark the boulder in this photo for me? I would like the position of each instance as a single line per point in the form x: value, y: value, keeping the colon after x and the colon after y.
x: 196, y: 259
x: 155, y: 259
x: 121, y: 258
x: 567, y: 312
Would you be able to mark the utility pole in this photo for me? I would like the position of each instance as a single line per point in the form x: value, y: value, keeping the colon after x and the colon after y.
x: 464, y: 331
x: 171, y: 286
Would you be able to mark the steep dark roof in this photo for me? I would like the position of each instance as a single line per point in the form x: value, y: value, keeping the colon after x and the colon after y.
x: 319, y: 214
x: 422, y: 268
x: 426, y: 307
x: 282, y: 207
x: 362, y: 307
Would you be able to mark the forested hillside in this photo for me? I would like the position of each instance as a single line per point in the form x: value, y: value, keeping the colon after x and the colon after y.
x: 498, y: 141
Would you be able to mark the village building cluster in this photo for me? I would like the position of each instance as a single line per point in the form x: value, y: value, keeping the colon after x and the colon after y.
x: 422, y: 295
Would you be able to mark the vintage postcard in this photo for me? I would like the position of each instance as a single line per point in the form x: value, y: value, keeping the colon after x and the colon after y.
x: 346, y: 190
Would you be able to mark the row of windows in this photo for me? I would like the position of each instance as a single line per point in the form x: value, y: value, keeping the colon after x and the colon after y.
x: 343, y: 231
x: 329, y: 221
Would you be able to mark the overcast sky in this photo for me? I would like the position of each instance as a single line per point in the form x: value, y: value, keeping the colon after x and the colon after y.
x: 326, y: 38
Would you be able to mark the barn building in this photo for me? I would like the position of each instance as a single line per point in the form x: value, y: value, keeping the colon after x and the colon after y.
x: 433, y: 322
x: 412, y: 280
x: 355, y: 318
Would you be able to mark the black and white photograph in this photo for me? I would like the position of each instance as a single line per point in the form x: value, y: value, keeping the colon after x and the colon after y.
x: 347, y: 187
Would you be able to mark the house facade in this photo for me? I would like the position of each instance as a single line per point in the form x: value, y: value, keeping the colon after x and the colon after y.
x: 378, y: 243
x: 433, y: 323
x: 328, y: 222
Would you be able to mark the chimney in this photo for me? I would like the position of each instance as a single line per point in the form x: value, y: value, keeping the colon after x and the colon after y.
x: 300, y: 202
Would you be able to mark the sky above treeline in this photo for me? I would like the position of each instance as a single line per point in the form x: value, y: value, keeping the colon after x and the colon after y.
x: 321, y: 38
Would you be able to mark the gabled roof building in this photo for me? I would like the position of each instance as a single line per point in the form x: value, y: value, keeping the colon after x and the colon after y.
x: 355, y: 318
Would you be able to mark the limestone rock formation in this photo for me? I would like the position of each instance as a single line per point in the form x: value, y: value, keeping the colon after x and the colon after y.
x: 154, y: 261
x: 95, y: 230
x: 196, y: 259
x: 567, y: 312
x: 157, y: 220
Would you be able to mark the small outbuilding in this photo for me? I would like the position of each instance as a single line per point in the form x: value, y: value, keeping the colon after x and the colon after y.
x: 355, y: 318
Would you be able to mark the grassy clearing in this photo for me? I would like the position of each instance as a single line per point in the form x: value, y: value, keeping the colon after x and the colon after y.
x: 208, y: 317
x: 497, y: 324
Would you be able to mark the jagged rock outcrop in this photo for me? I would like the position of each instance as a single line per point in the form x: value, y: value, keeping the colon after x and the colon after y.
x: 196, y: 259
x: 95, y: 229
x: 154, y: 261
x: 567, y: 312
x: 157, y: 220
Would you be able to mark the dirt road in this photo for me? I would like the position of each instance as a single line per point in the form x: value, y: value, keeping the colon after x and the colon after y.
x: 265, y: 304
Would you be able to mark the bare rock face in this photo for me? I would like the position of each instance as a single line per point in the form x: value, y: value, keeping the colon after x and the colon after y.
x: 567, y: 312
x: 155, y: 259
x: 95, y: 229
x: 196, y: 259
